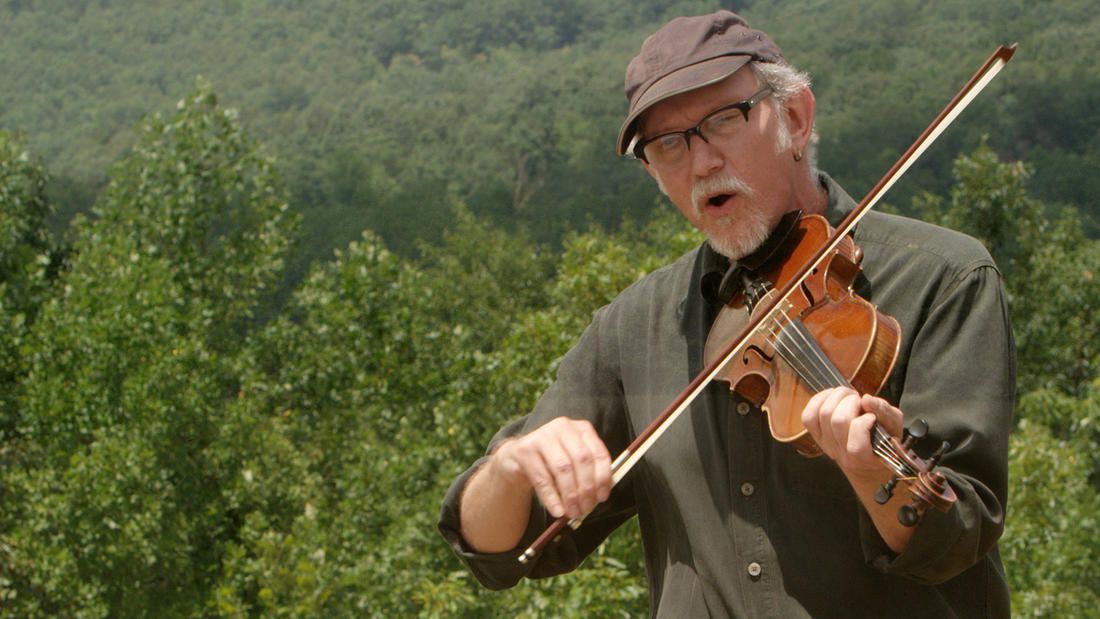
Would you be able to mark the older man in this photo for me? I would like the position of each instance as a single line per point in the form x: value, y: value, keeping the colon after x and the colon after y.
x: 733, y: 522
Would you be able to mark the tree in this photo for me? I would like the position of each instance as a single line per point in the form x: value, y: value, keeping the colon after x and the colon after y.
x: 28, y: 261
x: 117, y: 478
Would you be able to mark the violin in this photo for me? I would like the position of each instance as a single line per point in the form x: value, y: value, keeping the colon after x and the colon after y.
x: 820, y: 336
x: 781, y: 319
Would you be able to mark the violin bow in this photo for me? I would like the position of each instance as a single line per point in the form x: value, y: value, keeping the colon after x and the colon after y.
x: 649, y: 436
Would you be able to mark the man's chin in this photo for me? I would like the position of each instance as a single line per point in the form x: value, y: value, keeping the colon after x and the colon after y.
x: 740, y: 237
x: 730, y: 249
x: 737, y: 246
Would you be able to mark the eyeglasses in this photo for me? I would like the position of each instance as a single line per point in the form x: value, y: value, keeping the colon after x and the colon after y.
x: 668, y: 149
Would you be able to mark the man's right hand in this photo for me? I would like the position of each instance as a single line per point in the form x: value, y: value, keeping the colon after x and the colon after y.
x: 564, y: 463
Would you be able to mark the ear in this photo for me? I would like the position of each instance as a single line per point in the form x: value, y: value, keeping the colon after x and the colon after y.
x: 800, y: 118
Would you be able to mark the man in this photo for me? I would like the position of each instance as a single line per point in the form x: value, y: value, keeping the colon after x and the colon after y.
x: 733, y: 522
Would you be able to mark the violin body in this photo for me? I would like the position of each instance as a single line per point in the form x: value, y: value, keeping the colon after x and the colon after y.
x: 778, y: 370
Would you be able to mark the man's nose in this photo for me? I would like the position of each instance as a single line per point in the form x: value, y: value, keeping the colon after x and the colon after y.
x: 705, y: 157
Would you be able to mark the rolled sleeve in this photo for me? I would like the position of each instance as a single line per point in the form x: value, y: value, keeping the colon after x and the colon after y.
x: 960, y: 377
x: 585, y: 388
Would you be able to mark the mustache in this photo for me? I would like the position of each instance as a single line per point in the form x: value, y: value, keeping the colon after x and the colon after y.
x: 703, y: 190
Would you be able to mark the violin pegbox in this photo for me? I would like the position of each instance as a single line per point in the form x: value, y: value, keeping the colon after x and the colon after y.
x: 929, y: 487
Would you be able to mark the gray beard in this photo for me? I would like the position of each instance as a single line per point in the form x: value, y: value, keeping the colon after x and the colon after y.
x: 741, y: 235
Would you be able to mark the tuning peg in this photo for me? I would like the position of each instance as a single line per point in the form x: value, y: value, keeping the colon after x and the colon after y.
x: 908, y: 515
x: 935, y: 458
x: 883, y: 494
x: 915, y: 432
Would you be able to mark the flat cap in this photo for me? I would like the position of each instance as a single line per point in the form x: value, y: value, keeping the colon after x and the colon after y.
x: 689, y: 53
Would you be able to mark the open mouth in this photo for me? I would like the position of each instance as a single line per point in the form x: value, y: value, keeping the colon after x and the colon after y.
x: 719, y: 200
x: 718, y: 196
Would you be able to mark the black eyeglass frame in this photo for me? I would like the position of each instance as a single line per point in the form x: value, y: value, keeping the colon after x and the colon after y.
x: 638, y: 152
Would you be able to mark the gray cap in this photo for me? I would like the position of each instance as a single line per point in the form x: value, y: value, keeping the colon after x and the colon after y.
x: 688, y: 53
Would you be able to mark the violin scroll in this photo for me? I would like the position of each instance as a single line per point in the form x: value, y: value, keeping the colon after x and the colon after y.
x: 928, y: 486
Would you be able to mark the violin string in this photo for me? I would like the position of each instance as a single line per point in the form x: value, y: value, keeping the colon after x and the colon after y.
x: 898, y: 466
x: 827, y: 371
x: 813, y: 349
x: 881, y: 439
x: 799, y: 361
x: 807, y: 359
x: 801, y: 351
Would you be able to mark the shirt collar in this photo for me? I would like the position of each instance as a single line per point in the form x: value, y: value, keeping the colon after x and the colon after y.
x: 713, y: 266
x: 840, y: 203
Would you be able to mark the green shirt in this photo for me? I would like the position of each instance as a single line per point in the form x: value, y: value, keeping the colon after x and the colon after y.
x: 735, y: 524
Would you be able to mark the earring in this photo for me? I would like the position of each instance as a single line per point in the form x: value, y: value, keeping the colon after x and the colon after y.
x: 798, y: 156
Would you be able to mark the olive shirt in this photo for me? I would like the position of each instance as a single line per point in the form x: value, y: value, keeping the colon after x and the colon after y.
x: 735, y: 524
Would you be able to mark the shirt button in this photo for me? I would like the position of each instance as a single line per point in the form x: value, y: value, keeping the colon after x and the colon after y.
x: 743, y: 408
x: 747, y: 489
x: 754, y: 569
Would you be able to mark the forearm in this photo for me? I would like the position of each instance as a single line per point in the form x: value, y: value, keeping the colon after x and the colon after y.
x: 493, y: 512
x: 893, y: 533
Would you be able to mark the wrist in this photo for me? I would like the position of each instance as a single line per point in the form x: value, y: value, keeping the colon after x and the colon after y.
x: 866, y: 481
x: 503, y: 471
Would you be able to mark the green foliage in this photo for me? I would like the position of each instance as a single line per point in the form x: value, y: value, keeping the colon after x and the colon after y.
x: 195, y: 194
x: 358, y: 366
x: 24, y: 241
x: 176, y: 445
x: 386, y: 114
x: 27, y: 259
x: 128, y: 371
x: 1051, y: 546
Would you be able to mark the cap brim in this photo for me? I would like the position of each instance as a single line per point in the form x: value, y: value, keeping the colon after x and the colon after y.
x: 678, y: 82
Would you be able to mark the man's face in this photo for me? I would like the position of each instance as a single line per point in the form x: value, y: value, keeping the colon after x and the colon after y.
x: 734, y: 190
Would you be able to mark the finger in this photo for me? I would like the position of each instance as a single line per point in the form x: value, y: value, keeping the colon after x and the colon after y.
x: 833, y: 398
x: 583, y: 465
x: 889, y: 416
x: 563, y: 473
x: 844, y: 407
x: 859, y: 438
x: 528, y: 458
x: 601, y: 463
x: 815, y: 417
x: 830, y: 442
x: 811, y: 414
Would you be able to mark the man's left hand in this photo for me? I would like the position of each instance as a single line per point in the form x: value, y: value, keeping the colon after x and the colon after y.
x: 840, y: 421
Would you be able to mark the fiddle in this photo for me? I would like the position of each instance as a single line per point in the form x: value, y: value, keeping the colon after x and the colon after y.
x: 927, y: 486
x: 820, y: 336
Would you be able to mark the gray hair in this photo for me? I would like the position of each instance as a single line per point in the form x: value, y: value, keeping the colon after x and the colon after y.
x: 786, y: 82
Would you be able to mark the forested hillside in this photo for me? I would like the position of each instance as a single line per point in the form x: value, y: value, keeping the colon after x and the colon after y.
x: 204, y: 411
x: 385, y: 114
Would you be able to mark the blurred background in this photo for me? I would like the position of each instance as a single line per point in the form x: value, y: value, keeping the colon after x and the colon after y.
x: 272, y: 272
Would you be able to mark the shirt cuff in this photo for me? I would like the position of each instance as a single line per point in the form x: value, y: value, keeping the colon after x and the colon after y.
x: 493, y: 570
x: 924, y: 557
